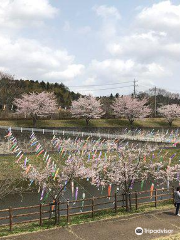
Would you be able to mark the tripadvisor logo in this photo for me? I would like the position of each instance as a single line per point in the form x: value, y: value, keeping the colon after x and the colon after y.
x: 139, y: 231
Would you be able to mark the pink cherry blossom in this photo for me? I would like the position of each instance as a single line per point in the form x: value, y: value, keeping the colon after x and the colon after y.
x: 87, y: 107
x: 170, y: 112
x: 130, y: 108
x: 36, y: 104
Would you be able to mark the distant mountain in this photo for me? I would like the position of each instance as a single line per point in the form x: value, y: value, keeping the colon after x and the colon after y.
x: 11, y: 88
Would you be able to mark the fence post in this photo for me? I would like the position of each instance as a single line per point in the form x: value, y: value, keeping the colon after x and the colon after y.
x: 155, y: 197
x: 126, y: 199
x: 115, y: 202
x: 40, y: 214
x: 136, y: 199
x: 67, y: 211
x: 55, y: 212
x: 123, y: 200
x: 92, y: 207
x: 130, y: 201
x: 173, y: 194
x: 10, y: 218
x: 50, y: 210
x: 58, y: 212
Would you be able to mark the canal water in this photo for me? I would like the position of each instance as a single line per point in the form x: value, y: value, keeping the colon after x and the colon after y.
x: 84, y: 189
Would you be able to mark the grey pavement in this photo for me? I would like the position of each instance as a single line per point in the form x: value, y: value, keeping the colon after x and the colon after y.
x: 122, y: 228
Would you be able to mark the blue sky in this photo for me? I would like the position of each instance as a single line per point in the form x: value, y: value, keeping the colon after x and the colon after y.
x: 92, y: 43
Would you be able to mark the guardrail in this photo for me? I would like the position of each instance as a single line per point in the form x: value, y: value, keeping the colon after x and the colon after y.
x: 160, y: 139
x: 39, y: 213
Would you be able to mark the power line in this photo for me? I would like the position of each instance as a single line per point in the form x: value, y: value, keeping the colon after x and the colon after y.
x: 104, y: 88
x: 101, y: 84
x: 155, y: 101
x: 153, y: 86
x: 135, y: 87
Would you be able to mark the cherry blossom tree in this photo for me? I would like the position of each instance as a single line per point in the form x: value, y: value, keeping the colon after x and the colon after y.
x: 36, y: 104
x: 87, y: 107
x: 163, y: 173
x: 53, y: 176
x: 130, y: 108
x: 123, y: 167
x: 133, y: 165
x: 170, y: 112
x: 11, y: 181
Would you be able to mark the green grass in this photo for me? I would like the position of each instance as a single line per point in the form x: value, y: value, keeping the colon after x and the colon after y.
x: 172, y: 237
x: 149, y: 122
x: 102, y: 215
x: 8, y: 162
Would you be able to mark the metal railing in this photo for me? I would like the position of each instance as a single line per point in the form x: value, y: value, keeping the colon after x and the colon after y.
x: 124, y: 136
x: 63, y: 211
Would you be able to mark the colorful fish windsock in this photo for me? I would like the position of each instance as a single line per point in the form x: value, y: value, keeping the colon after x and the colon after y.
x: 40, y: 152
x: 109, y: 190
x: 76, y: 194
x: 19, y: 158
x: 56, y: 174
x: 25, y: 162
x: 142, y: 184
x: 28, y: 168
x: 168, y: 184
x: 72, y: 188
x: 132, y: 184
x: 83, y: 197
x: 65, y: 185
x: 53, y: 206
x: 178, y: 176
x: 42, y: 194
x: 152, y: 189
x: 169, y: 161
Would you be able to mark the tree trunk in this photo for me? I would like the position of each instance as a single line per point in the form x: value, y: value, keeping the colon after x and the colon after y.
x: 126, y: 189
x: 34, y: 120
x: 131, y: 121
x: 127, y: 196
x: 170, y: 123
x: 87, y: 121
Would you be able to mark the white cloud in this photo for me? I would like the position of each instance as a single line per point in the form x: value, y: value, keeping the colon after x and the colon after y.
x: 148, y: 51
x: 115, y: 68
x: 21, y: 13
x: 146, y: 47
x: 107, y: 12
x: 29, y: 59
x: 110, y: 18
x: 161, y: 16
x: 71, y: 72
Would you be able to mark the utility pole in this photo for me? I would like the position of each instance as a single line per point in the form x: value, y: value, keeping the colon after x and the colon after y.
x: 155, y: 101
x: 135, y: 88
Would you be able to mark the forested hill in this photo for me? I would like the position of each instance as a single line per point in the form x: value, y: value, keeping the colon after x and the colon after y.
x: 11, y: 88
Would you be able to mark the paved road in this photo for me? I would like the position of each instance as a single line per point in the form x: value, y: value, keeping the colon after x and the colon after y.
x: 115, y: 229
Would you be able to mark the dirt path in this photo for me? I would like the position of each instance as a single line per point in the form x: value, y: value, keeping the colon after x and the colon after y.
x: 115, y: 229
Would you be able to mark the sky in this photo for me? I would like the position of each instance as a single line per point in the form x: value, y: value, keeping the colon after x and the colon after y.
x: 106, y: 43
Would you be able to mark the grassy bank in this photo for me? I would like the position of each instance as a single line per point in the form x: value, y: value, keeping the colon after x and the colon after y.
x: 103, y: 215
x: 149, y: 122
x: 8, y: 162
x: 173, y: 237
